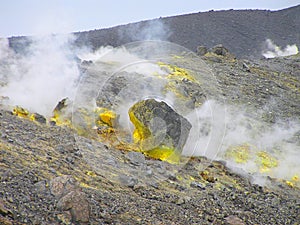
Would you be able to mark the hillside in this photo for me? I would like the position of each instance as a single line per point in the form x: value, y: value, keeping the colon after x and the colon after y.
x: 243, y: 32
x: 50, y: 175
x: 102, y: 157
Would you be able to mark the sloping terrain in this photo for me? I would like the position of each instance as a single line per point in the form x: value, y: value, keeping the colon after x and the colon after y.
x: 51, y: 175
x: 243, y: 32
x: 46, y: 177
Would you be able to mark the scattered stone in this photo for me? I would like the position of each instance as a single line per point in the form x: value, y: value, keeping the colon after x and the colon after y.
x: 220, y: 50
x: 128, y: 180
x: 234, y: 220
x: 39, y: 118
x: 201, y: 50
x: 76, y: 202
x: 41, y: 186
x: 4, y: 211
x: 183, y: 200
x: 62, y: 185
x: 136, y: 158
x: 197, y: 185
x: 207, y: 177
x: 246, y: 67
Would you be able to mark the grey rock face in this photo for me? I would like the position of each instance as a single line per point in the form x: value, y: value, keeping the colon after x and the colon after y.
x: 158, y: 125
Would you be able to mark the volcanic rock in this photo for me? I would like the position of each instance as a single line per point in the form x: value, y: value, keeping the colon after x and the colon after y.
x: 158, y: 128
x: 76, y: 202
x: 201, y: 50
x: 220, y: 50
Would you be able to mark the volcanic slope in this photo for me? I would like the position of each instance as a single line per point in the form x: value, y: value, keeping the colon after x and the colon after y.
x: 243, y: 32
x: 45, y: 177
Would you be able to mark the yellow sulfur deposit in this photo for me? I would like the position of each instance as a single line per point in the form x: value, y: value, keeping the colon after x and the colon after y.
x: 140, y: 132
x: 293, y: 182
x: 163, y: 153
x: 144, y: 138
x: 266, y: 161
x: 295, y: 178
x: 21, y: 112
x: 59, y: 119
x: 177, y: 72
x: 240, y: 153
x: 60, y: 116
x: 105, y: 116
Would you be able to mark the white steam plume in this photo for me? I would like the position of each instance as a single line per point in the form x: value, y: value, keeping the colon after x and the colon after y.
x: 44, y: 75
x: 150, y: 30
x: 267, y: 143
x: 154, y: 30
x: 273, y: 50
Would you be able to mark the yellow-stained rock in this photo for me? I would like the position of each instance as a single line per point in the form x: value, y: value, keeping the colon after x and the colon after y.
x: 105, y: 116
x: 159, y: 132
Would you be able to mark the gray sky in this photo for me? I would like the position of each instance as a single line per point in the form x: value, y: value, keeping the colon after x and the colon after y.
x: 31, y: 17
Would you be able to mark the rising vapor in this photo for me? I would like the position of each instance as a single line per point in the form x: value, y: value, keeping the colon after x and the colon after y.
x: 45, y: 74
x: 272, y: 50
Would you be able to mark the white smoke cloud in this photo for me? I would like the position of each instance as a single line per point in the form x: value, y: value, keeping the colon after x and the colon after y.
x: 276, y: 140
x: 149, y: 30
x: 44, y: 75
x: 273, y: 50
x: 154, y: 30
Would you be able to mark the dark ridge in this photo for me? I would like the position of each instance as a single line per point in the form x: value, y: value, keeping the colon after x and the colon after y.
x: 243, y: 32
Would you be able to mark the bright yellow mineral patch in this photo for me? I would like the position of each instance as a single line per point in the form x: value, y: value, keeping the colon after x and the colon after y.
x: 59, y: 119
x: 293, y: 182
x: 142, y: 137
x: 140, y: 132
x: 24, y: 113
x: 265, y: 161
x: 91, y: 173
x: 21, y: 112
x: 289, y: 183
x: 295, y: 178
x: 61, y: 115
x: 177, y: 72
x: 240, y: 153
x: 105, y: 116
x: 163, y: 153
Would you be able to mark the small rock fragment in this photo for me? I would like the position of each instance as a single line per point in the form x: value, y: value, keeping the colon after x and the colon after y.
x: 38, y: 118
x: 197, y: 185
x: 136, y: 158
x: 128, y: 180
x: 3, y: 210
x: 62, y: 185
x: 201, y: 50
x: 220, y: 50
x: 234, y: 220
x: 77, y: 203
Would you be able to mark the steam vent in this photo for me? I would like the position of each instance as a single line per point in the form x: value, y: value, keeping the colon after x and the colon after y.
x: 159, y: 131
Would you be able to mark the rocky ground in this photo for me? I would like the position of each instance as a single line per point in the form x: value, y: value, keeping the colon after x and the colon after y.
x: 49, y: 175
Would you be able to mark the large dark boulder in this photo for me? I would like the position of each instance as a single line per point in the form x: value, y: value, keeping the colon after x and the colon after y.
x: 159, y: 130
